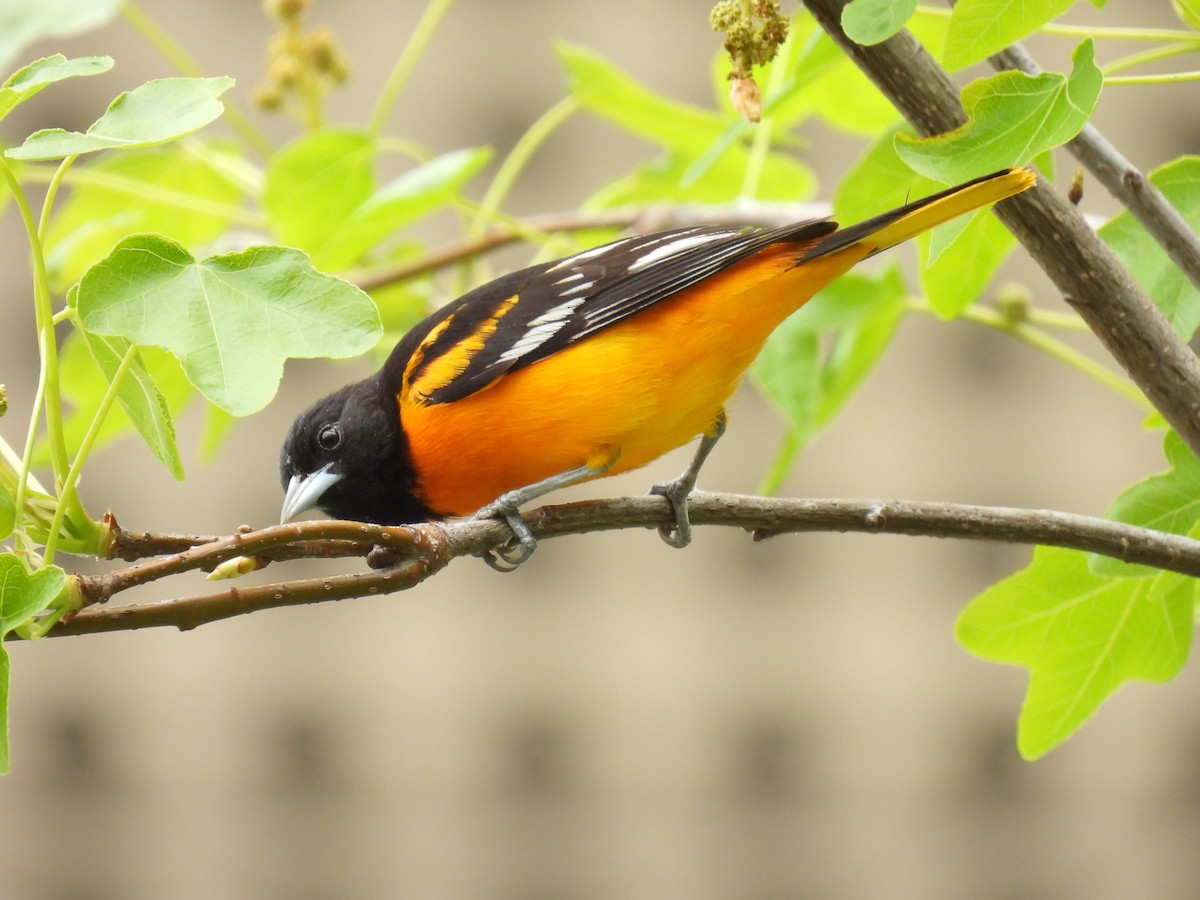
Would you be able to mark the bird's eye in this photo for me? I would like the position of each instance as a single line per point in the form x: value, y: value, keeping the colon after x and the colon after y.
x: 329, y: 437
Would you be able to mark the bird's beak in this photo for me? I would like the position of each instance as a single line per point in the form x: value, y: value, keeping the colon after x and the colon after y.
x: 305, y: 492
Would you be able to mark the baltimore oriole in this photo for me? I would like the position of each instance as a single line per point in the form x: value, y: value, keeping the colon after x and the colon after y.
x: 579, y: 368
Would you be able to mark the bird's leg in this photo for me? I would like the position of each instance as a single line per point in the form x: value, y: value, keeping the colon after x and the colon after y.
x: 507, y: 506
x: 679, y: 489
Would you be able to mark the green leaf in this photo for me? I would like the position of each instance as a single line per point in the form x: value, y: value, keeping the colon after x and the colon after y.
x: 869, y: 22
x: 84, y: 384
x: 402, y: 201
x: 1188, y: 12
x: 879, y: 180
x: 813, y: 362
x: 667, y: 179
x: 314, y: 183
x: 706, y: 157
x: 848, y: 100
x: 1011, y: 117
x: 320, y: 194
x: 945, y: 235
x: 1172, y: 292
x: 980, y: 28
x: 140, y: 397
x: 971, y: 247
x: 787, y: 372
x: 1081, y: 636
x: 177, y: 192
x: 605, y: 90
x: 26, y: 82
x: 823, y: 82
x: 232, y: 319
x: 1169, y: 502
x: 22, y: 596
x: 964, y: 268
x: 154, y: 113
x: 23, y: 22
x: 8, y: 512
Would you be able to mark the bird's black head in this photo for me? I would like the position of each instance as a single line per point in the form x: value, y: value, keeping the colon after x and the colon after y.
x: 348, y: 455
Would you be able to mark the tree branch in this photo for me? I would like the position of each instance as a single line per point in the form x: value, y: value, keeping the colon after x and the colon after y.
x: 414, y: 552
x: 1124, y: 181
x: 1054, y: 233
x: 321, y: 539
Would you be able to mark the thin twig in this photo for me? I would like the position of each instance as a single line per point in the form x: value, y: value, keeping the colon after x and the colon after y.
x: 132, y: 546
x: 1054, y: 233
x: 421, y: 550
x: 349, y: 538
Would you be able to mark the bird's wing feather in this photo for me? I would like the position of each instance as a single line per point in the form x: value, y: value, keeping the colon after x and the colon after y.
x: 529, y: 315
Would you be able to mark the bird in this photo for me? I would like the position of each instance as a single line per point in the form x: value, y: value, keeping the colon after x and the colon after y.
x: 579, y: 368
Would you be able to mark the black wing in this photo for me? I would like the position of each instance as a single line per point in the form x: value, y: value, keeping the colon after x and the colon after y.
x: 528, y: 315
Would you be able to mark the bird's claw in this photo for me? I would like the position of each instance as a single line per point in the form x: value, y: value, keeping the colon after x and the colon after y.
x: 511, y: 554
x: 678, y: 493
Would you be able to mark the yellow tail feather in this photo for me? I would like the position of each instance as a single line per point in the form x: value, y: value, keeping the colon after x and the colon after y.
x: 891, y: 228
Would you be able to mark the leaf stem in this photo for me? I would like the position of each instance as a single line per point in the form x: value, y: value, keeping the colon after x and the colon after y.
x: 1094, y: 31
x: 518, y: 158
x: 760, y: 148
x: 68, y: 494
x: 48, y: 349
x: 1167, y: 78
x: 87, y: 175
x: 51, y: 192
x: 1051, y: 345
x: 789, y: 449
x: 179, y: 58
x: 1063, y: 321
x: 407, y: 61
x: 411, y: 149
x: 1152, y: 55
x: 25, y: 476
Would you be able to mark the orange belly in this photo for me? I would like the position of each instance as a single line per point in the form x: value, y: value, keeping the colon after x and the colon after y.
x: 635, y: 390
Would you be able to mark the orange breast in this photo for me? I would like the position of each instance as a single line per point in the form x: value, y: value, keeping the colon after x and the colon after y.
x: 639, y: 388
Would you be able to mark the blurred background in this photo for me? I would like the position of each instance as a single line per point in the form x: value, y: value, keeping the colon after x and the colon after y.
x: 617, y: 719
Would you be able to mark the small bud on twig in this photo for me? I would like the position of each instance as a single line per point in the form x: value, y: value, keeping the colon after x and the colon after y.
x: 1014, y: 302
x: 1075, y: 192
x: 237, y: 567
x: 746, y: 98
x: 285, y: 10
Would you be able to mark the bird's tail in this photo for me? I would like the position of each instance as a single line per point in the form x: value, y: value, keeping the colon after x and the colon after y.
x: 890, y: 228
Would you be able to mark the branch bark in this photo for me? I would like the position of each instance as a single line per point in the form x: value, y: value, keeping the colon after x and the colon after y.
x: 417, y: 551
x: 1055, y: 234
